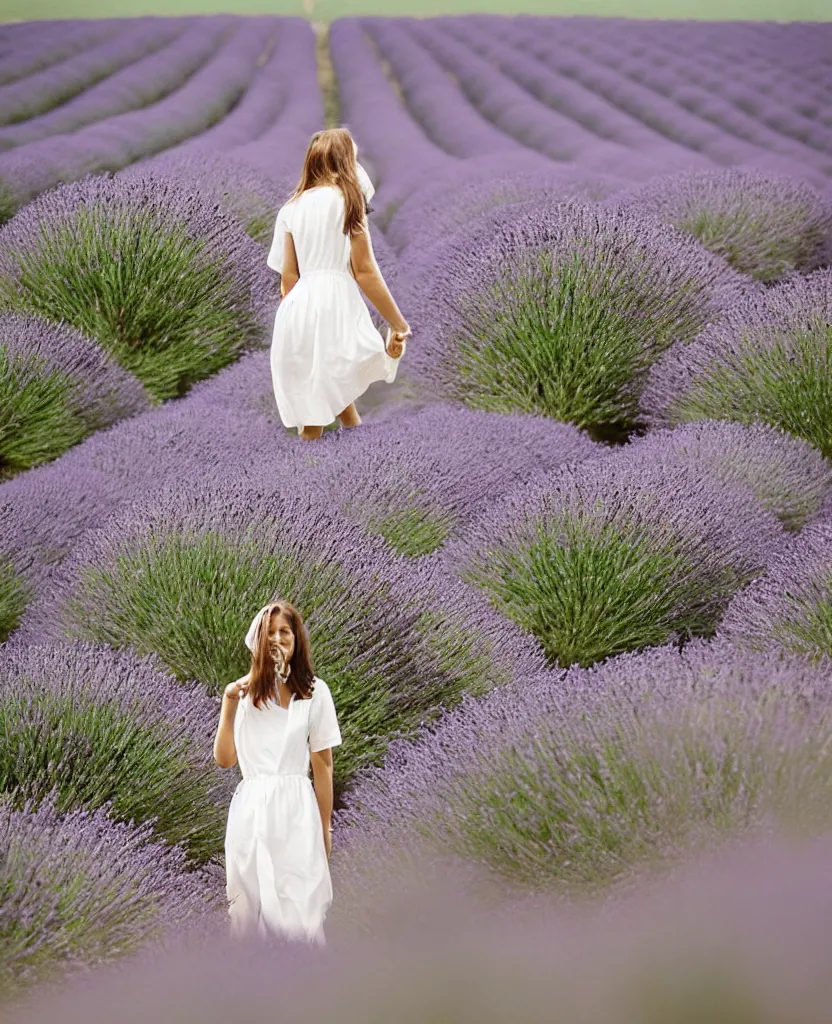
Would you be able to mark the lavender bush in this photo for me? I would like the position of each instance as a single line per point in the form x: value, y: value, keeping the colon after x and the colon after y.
x: 475, y: 187
x: 213, y: 432
x: 13, y: 597
x: 391, y: 640
x: 791, y: 606
x: 617, y: 553
x: 56, y: 386
x: 560, y: 310
x: 764, y: 226
x: 573, y: 782
x: 419, y: 484
x: 766, y: 361
x: 154, y: 271
x: 740, y: 934
x: 81, y: 890
x: 241, y: 189
x: 94, y: 726
x: 788, y: 476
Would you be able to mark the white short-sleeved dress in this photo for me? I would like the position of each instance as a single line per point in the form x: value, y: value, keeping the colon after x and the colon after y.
x: 277, y: 872
x: 326, y: 351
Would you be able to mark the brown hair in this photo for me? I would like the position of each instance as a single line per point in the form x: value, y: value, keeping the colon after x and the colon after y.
x: 262, y: 684
x: 330, y: 160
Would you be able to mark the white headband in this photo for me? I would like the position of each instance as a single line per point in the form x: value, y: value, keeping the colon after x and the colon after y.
x: 252, y: 629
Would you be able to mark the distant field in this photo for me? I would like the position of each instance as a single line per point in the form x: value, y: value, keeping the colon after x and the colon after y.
x: 776, y: 10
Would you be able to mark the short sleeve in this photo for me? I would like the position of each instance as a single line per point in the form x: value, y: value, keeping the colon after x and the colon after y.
x: 282, y: 227
x: 323, y: 722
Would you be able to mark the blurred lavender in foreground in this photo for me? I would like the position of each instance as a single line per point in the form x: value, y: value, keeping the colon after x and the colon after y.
x: 742, y: 935
x: 81, y: 890
x: 577, y: 781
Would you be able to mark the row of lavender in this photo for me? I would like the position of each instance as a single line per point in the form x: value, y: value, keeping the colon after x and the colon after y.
x: 182, y: 228
x: 469, y: 554
x: 219, y: 82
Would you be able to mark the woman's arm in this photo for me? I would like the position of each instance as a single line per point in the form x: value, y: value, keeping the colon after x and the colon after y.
x: 225, y: 753
x: 367, y: 274
x: 322, y: 778
x: 290, y: 274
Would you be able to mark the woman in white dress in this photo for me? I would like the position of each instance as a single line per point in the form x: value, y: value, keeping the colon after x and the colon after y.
x: 326, y: 350
x: 278, y: 840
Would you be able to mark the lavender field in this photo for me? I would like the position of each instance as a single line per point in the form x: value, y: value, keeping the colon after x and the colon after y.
x: 570, y: 582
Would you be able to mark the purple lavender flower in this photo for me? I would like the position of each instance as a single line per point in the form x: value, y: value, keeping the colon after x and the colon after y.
x: 560, y: 310
x: 155, y: 272
x: 81, y: 890
x: 40, y: 44
x: 134, y: 86
x: 743, y: 926
x: 113, y: 143
x: 392, y: 640
x: 421, y: 483
x: 573, y: 781
x: 450, y: 200
x: 786, y: 474
x: 95, y: 725
x: 13, y: 597
x: 395, y: 169
x: 241, y: 188
x: 617, y: 553
x: 225, y: 428
x: 56, y: 386
x: 34, y: 94
x: 766, y: 361
x: 269, y: 127
x: 766, y: 227
x: 791, y: 606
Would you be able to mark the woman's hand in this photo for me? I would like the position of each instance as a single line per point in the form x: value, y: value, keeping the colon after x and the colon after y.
x: 234, y: 691
x: 395, y: 344
x: 328, y: 842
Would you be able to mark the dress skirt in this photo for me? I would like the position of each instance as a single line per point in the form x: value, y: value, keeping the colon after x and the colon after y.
x: 326, y: 351
x: 278, y: 877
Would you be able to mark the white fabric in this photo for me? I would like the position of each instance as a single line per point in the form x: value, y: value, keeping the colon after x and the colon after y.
x: 252, y: 629
x: 277, y: 873
x: 367, y: 187
x: 326, y: 350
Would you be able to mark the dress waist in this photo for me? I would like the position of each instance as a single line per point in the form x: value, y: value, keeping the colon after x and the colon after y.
x: 275, y: 775
x: 326, y: 270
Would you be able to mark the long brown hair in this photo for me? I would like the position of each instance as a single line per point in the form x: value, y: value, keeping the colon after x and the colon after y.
x: 330, y: 160
x: 262, y: 684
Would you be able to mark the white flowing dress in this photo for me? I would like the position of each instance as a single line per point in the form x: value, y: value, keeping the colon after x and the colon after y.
x: 277, y: 871
x: 326, y: 351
